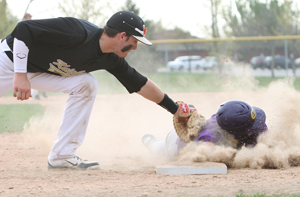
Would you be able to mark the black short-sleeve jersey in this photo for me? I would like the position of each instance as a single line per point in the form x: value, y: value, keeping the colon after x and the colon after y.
x: 68, y: 47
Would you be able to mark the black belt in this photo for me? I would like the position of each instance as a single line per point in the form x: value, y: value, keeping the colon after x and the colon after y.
x: 8, y: 53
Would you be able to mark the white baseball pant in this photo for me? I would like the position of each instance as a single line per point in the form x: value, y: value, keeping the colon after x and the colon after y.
x: 166, y: 149
x: 82, y: 91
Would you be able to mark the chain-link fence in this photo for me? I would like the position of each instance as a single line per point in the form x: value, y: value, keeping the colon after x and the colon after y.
x: 231, y: 63
x: 275, y: 55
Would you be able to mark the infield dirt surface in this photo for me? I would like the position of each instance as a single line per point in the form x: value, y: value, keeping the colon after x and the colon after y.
x: 113, y: 139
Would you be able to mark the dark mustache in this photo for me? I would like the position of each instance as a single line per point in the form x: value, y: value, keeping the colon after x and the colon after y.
x: 127, y: 48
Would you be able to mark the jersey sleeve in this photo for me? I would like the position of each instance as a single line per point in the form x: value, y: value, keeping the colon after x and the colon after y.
x: 20, y: 56
x: 131, y: 79
x: 66, y: 32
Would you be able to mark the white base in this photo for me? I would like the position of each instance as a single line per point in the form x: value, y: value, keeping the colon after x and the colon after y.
x: 192, y: 168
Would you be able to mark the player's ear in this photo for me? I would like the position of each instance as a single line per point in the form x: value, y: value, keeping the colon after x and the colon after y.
x: 123, y: 35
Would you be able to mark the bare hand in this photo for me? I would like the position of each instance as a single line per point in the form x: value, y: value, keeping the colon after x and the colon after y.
x: 21, y: 86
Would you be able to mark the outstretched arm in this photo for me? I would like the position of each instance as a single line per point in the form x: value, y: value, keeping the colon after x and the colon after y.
x: 153, y: 93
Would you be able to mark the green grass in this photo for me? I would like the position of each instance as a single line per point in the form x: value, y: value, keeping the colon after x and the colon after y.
x: 14, y: 116
x: 256, y: 195
x: 188, y: 82
x: 265, y: 195
x: 265, y: 81
x: 183, y: 82
x: 169, y: 82
x: 260, y: 195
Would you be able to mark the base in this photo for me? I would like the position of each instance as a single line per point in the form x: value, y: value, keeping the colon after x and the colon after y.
x: 192, y: 168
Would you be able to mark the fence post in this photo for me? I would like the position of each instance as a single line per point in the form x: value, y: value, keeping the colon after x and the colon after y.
x: 166, y: 53
x: 166, y: 61
x: 286, y: 57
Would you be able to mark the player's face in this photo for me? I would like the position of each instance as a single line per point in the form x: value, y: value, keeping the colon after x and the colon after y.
x: 129, y: 45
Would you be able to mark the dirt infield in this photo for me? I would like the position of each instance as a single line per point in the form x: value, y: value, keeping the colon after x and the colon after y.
x: 114, y: 139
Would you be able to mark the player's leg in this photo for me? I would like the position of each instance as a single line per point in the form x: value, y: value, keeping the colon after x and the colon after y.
x: 167, y: 149
x: 6, y: 74
x: 155, y: 146
x: 173, y: 144
x: 82, y: 91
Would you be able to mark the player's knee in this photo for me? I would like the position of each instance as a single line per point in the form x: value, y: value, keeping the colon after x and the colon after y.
x: 88, y: 86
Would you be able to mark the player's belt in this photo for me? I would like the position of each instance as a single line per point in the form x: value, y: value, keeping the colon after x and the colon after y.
x: 8, y: 53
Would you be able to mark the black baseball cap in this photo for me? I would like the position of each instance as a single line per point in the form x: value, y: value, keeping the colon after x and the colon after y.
x: 130, y: 23
x: 240, y: 118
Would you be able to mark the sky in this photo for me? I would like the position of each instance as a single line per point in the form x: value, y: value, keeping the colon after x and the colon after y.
x: 192, y: 15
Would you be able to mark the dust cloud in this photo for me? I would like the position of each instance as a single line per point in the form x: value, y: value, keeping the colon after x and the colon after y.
x: 118, y: 122
x: 114, y: 132
x: 277, y: 148
x: 40, y: 132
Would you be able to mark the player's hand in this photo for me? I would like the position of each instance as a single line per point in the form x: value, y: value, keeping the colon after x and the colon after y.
x: 188, y: 122
x: 184, y: 111
x: 21, y: 86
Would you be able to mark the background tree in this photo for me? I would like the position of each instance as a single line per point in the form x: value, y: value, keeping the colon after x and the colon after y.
x: 147, y: 59
x: 215, y: 33
x: 90, y: 10
x: 131, y: 6
x: 7, y: 20
x: 256, y: 18
x: 214, y: 8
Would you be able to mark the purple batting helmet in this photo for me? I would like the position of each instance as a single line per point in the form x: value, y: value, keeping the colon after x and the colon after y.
x: 240, y: 119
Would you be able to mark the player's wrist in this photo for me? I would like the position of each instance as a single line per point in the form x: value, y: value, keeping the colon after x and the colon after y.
x: 20, y: 75
x: 168, y: 104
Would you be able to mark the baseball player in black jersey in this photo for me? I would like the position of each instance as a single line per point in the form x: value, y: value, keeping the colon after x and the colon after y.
x: 57, y: 55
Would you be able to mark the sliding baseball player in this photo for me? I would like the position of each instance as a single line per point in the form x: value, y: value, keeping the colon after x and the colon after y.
x: 236, y: 124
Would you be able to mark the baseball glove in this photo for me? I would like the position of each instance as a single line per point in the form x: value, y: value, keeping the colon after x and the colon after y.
x: 188, y: 125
